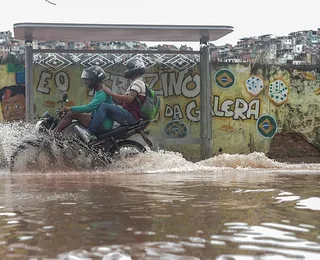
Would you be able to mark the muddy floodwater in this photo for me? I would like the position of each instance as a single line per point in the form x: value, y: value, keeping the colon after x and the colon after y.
x: 160, y: 206
x: 157, y: 205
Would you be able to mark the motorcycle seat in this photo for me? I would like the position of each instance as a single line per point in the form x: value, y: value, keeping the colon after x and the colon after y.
x: 122, y: 128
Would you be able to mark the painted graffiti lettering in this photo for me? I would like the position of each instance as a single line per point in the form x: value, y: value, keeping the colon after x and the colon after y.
x: 43, y: 82
x: 176, y: 84
x: 235, y: 109
x: 226, y: 106
x: 173, y: 84
x: 167, y: 84
x: 61, y: 80
x: 168, y: 111
x: 177, y: 112
x: 195, y: 91
x: 116, y: 83
x: 193, y: 112
x: 254, y: 109
x: 174, y: 112
x: 241, y: 106
x: 152, y: 79
x: 238, y: 109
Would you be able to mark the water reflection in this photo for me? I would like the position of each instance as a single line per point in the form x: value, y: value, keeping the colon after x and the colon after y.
x: 226, y: 214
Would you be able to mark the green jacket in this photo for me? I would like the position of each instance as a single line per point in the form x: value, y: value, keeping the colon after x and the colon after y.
x: 99, y: 97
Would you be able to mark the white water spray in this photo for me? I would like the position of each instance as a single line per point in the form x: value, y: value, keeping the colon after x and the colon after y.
x: 11, y: 136
x: 149, y: 162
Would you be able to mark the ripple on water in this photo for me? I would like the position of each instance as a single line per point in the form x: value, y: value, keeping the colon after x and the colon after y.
x: 279, y: 236
x: 8, y: 214
x: 148, y: 250
x: 312, y: 203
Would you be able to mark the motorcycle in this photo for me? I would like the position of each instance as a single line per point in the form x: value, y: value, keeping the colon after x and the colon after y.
x: 105, y: 149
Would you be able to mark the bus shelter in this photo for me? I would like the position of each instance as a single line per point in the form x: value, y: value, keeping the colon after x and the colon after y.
x: 30, y: 32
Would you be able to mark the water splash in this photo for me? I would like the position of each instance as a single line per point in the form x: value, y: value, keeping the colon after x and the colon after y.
x: 166, y: 161
x: 150, y: 162
x: 11, y: 135
x: 35, y: 159
x: 159, y: 162
x: 253, y: 160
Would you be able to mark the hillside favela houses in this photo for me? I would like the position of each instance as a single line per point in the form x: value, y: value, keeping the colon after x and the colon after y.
x: 10, y: 47
x: 297, y: 48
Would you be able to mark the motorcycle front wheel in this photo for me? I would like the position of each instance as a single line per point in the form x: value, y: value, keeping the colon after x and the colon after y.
x: 28, y: 157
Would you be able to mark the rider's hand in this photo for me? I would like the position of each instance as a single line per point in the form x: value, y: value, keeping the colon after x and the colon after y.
x: 107, y: 90
x: 65, y: 109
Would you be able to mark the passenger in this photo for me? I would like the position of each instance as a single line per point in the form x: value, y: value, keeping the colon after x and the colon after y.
x: 129, y: 113
x: 93, y: 77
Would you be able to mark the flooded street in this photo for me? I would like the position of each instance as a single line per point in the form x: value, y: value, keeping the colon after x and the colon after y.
x: 160, y: 206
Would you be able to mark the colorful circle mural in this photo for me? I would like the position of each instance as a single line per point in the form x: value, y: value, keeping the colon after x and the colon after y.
x: 176, y: 129
x: 224, y: 78
x: 267, y: 126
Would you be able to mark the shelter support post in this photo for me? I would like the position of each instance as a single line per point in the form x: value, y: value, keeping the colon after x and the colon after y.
x: 205, y: 100
x: 29, y: 81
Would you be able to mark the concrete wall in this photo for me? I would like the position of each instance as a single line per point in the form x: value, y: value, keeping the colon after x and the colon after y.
x: 287, y: 104
x: 254, y: 107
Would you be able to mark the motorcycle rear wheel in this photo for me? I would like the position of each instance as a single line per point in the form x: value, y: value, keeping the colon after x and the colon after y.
x: 116, y: 152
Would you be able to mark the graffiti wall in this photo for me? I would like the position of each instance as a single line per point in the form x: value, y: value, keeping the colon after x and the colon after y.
x: 179, y: 90
x: 252, y: 105
x: 256, y: 106
x: 12, y: 93
x: 244, y: 101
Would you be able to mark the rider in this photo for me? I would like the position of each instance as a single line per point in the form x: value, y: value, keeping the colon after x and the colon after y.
x: 129, y: 113
x: 93, y: 77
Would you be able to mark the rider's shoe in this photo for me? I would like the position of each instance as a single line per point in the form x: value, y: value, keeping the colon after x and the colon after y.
x: 85, y: 135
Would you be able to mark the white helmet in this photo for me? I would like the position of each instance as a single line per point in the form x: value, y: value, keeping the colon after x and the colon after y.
x: 135, y: 68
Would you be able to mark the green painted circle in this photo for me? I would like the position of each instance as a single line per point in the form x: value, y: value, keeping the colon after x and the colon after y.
x: 267, y: 126
x: 224, y: 78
